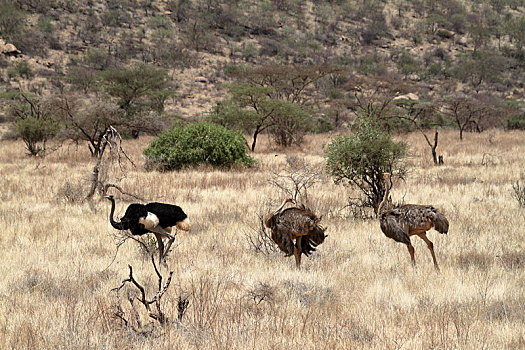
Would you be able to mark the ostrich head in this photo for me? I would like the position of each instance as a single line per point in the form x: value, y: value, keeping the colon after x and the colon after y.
x: 109, y: 196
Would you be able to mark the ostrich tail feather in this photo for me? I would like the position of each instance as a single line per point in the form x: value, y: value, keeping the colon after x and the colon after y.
x: 440, y: 223
x: 184, y: 225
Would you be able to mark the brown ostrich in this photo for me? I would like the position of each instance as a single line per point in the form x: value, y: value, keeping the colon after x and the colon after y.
x: 298, y: 223
x: 403, y: 221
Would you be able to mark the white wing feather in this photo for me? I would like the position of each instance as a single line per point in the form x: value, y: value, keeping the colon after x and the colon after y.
x: 150, y: 221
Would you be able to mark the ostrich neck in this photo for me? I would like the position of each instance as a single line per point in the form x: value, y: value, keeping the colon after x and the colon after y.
x: 115, y: 224
x: 381, y: 205
x: 270, y: 217
x: 280, y: 208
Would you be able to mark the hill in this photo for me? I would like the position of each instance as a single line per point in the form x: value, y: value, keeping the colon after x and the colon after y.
x: 430, y: 48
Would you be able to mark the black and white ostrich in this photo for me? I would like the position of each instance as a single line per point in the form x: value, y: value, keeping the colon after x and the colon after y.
x: 157, y: 218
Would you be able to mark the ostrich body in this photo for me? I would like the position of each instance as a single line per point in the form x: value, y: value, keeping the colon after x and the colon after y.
x: 403, y: 221
x: 298, y: 223
x: 157, y: 218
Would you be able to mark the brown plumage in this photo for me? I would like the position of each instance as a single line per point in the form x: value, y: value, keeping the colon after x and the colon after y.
x: 298, y: 223
x: 403, y: 221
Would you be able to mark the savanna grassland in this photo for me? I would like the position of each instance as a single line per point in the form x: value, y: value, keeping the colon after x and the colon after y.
x: 59, y: 260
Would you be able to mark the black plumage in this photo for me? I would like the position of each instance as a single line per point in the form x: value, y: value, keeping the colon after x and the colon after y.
x: 157, y: 218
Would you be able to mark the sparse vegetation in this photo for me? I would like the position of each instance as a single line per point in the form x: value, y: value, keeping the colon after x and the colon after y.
x: 233, y: 291
x: 91, y: 71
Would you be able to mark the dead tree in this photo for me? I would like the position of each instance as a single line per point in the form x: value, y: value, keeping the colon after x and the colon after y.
x: 113, y: 140
x: 153, y: 306
x: 297, y: 179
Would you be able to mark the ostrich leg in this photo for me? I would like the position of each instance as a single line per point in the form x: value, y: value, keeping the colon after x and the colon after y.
x: 297, y: 250
x: 411, y: 251
x: 159, y: 233
x: 161, y: 247
x: 430, y: 246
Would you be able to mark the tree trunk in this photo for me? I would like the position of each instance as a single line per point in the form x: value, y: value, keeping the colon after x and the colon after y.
x: 255, y: 134
x: 96, y: 170
x: 434, y: 146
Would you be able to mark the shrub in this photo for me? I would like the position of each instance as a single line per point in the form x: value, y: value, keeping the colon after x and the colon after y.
x: 361, y: 159
x: 35, y: 132
x: 11, y: 20
x: 22, y: 69
x: 516, y: 121
x: 199, y: 143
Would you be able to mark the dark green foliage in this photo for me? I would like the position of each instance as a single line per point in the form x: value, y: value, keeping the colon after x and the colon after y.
x: 516, y: 121
x: 20, y: 68
x: 255, y: 108
x: 35, y: 132
x: 139, y: 88
x: 11, y: 21
x: 362, y: 158
x: 195, y: 144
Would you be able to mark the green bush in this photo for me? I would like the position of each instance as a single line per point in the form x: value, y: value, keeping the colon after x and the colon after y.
x: 199, y: 143
x: 359, y: 160
x: 35, y: 132
x: 516, y: 121
x: 22, y: 69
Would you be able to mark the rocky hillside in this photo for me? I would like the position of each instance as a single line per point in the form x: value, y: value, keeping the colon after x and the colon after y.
x: 425, y: 47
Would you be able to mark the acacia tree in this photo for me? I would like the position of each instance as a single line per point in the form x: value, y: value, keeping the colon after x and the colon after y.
x: 421, y: 116
x: 362, y: 158
x: 481, y: 67
x: 33, y: 121
x: 466, y: 112
x: 293, y: 83
x: 252, y: 109
x: 138, y: 89
x: 88, y: 119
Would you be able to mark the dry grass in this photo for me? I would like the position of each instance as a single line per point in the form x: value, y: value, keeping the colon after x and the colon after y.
x: 357, y: 291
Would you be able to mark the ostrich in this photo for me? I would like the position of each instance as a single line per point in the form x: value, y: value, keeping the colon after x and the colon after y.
x: 403, y: 221
x: 298, y: 223
x: 158, y: 218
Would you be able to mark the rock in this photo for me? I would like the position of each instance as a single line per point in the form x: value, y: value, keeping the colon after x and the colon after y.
x: 201, y: 79
x: 445, y: 33
x: 410, y: 96
x: 10, y: 50
x: 462, y: 41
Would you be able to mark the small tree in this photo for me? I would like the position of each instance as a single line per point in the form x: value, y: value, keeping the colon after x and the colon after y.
x: 138, y: 89
x: 199, y: 143
x: 466, y: 112
x: 252, y: 109
x: 33, y: 122
x: 422, y: 116
x: 361, y: 160
x: 87, y: 120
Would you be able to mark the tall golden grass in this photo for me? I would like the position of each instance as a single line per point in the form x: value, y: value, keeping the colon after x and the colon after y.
x: 359, y: 290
